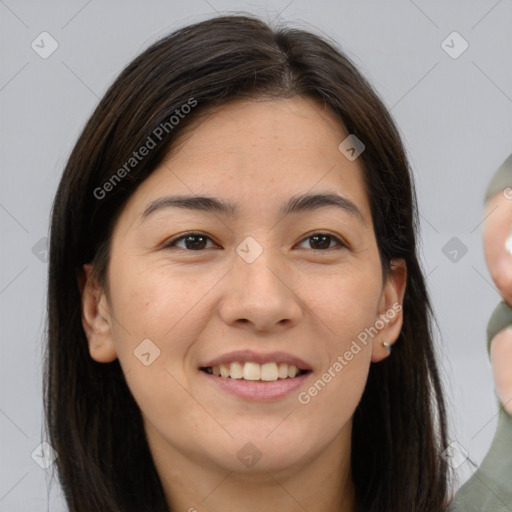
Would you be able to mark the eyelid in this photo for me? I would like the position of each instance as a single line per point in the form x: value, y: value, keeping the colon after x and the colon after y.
x: 340, y: 241
x: 169, y: 243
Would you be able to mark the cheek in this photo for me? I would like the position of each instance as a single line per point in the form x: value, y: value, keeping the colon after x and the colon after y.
x: 144, y: 313
x: 154, y: 327
x: 347, y: 308
x: 158, y: 300
x: 346, y: 298
x: 166, y: 404
x: 329, y: 402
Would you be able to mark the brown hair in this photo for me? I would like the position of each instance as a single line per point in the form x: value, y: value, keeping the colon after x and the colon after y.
x: 93, y: 422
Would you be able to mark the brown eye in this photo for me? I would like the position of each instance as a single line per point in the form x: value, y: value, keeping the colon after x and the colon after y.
x: 193, y: 242
x: 323, y: 240
x: 198, y: 241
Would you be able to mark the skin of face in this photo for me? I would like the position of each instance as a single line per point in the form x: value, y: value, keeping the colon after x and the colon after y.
x: 295, y: 297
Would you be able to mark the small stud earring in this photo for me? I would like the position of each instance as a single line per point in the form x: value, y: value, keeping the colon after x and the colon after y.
x: 388, y: 346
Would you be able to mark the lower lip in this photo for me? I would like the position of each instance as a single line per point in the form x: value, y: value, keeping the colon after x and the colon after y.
x: 258, y: 390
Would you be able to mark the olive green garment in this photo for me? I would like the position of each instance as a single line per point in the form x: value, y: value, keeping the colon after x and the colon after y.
x: 489, y: 489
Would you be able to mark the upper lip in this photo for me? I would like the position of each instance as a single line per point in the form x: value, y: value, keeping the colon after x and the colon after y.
x: 256, y: 357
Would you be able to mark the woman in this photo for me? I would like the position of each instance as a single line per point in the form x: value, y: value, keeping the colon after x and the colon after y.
x: 233, y: 256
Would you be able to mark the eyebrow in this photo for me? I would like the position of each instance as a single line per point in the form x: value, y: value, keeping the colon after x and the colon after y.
x: 296, y: 204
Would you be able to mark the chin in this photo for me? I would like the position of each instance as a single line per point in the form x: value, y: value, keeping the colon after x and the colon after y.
x: 269, y: 450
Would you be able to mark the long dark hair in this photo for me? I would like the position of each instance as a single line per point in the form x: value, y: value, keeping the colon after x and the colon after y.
x: 93, y: 422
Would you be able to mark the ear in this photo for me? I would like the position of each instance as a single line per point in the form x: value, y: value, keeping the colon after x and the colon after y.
x: 96, y: 318
x: 390, y: 312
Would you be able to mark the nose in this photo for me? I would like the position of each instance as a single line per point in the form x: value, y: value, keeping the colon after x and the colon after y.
x: 262, y: 295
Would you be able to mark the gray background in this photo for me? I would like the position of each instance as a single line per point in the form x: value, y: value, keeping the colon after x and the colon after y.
x: 454, y: 115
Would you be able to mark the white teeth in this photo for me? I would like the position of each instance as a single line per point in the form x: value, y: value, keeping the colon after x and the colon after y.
x: 235, y: 370
x: 283, y: 371
x: 269, y: 371
x: 253, y: 371
x: 224, y: 370
x: 292, y: 371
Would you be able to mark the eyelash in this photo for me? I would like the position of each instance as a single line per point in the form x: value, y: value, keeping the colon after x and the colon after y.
x: 171, y: 243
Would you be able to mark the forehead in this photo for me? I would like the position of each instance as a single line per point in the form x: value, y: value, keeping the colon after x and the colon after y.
x: 257, y: 153
x: 300, y: 126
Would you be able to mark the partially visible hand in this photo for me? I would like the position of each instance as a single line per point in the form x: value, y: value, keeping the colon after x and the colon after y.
x: 501, y: 359
x: 498, y: 216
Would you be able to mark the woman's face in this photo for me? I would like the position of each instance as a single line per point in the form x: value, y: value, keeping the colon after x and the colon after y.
x: 259, y: 281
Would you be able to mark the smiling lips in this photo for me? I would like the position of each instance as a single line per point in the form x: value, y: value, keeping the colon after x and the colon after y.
x: 249, y: 365
x: 255, y: 371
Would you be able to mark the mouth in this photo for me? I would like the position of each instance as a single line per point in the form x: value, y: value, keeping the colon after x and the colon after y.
x: 255, y: 372
x: 254, y: 382
x: 256, y: 366
x: 256, y: 376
